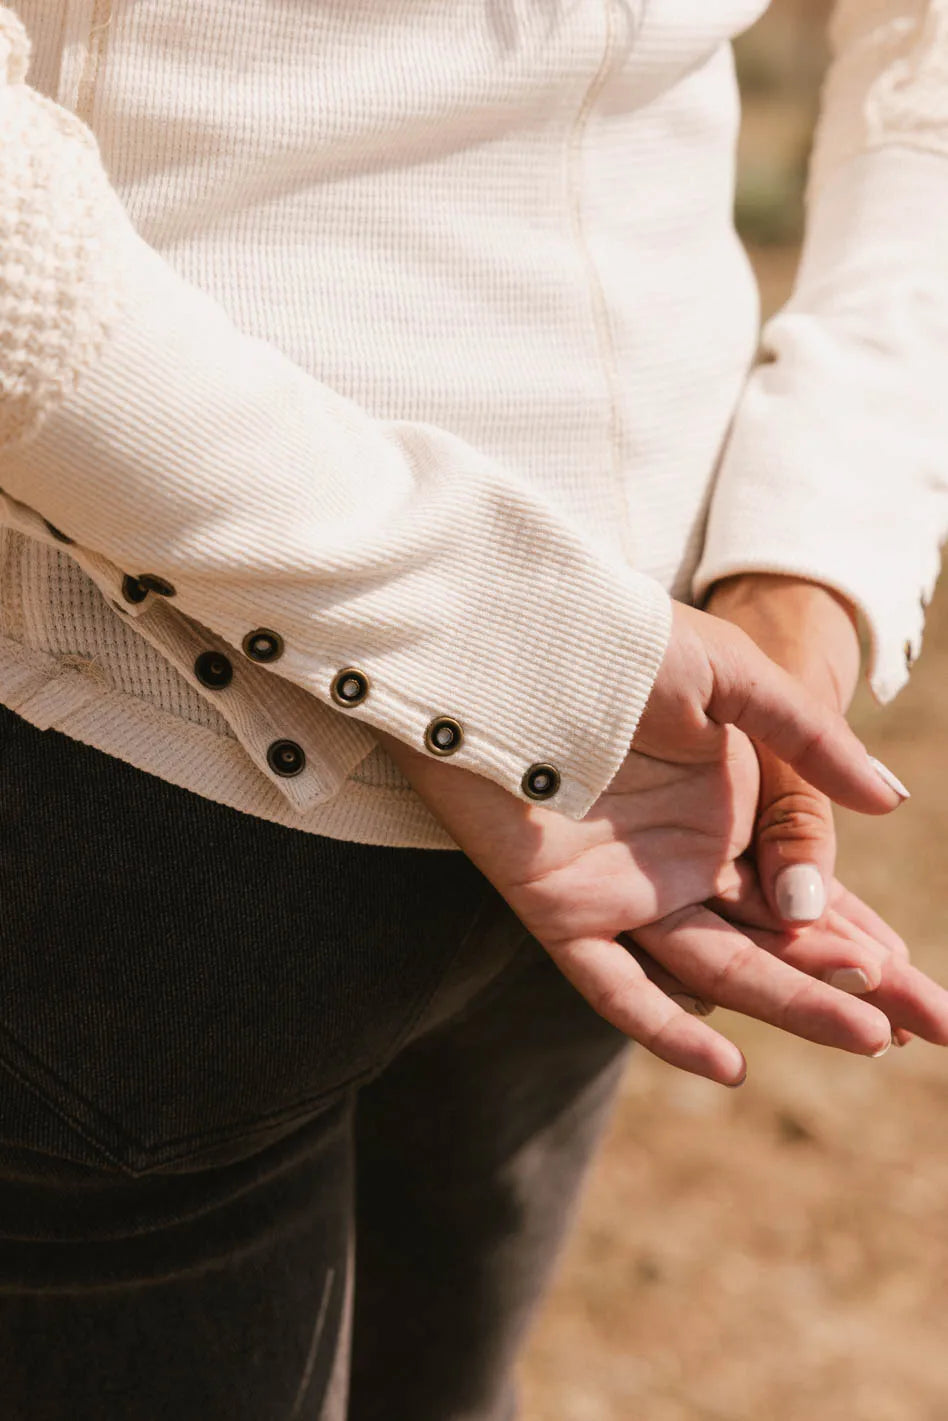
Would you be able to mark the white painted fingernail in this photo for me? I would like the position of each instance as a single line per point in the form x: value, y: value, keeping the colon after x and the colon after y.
x: 693, y: 1005
x: 888, y: 778
x: 849, y: 979
x: 877, y: 1054
x: 800, y: 893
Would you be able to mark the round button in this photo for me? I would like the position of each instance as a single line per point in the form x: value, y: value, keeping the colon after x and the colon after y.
x: 444, y: 736
x: 213, y: 668
x: 285, y: 757
x: 540, y: 782
x: 133, y: 589
x: 154, y: 583
x: 350, y: 687
x: 58, y: 532
x: 263, y: 645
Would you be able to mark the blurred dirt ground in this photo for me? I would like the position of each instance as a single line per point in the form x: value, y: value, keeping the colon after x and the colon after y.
x: 780, y: 1253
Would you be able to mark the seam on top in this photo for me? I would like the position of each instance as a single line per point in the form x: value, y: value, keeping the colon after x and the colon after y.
x: 99, y: 22
x: 604, y: 340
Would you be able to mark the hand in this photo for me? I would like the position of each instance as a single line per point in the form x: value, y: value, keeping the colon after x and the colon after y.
x: 810, y: 631
x: 664, y: 838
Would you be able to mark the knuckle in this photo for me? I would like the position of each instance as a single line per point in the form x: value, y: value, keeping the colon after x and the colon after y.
x: 717, y: 987
x: 610, y: 1000
x: 795, y: 814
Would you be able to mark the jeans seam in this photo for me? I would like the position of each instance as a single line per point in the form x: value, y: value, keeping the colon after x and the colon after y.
x: 62, y: 1113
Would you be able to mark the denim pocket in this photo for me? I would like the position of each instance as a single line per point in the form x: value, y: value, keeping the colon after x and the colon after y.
x: 175, y: 974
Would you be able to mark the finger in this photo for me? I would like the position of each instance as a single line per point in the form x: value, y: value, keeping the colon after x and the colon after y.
x: 741, y: 901
x: 911, y: 1001
x: 867, y: 919
x: 740, y: 898
x: 615, y: 986
x: 665, y: 982
x: 794, y: 842
x: 755, y: 694
x: 722, y: 964
x: 832, y: 950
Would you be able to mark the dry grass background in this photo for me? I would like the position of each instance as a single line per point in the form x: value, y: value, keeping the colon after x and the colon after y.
x: 780, y: 1253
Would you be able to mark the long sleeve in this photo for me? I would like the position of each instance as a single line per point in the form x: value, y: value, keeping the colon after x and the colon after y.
x: 199, y: 468
x: 836, y: 468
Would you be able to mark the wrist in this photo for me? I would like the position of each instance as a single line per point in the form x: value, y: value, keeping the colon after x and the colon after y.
x: 809, y: 629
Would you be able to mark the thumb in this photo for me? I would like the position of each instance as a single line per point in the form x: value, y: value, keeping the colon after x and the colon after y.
x: 794, y: 842
x: 779, y: 713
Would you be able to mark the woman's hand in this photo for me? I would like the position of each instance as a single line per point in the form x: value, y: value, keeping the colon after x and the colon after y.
x: 664, y: 838
x: 811, y: 632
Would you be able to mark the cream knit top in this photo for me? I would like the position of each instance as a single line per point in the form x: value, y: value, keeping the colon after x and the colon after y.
x: 389, y: 366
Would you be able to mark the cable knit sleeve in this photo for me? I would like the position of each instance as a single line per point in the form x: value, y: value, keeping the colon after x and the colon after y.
x: 837, y: 464
x: 411, y: 583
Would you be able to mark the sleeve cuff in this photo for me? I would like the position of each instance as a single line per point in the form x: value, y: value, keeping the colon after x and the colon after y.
x: 196, y: 457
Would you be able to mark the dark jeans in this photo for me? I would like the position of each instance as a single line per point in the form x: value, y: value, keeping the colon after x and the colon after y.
x: 289, y: 1127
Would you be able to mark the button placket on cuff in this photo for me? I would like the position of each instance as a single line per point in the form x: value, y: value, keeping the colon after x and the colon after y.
x: 263, y: 710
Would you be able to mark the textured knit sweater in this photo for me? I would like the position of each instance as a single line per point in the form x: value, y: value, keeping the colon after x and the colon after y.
x: 392, y: 366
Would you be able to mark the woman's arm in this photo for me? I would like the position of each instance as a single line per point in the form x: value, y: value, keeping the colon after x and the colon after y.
x: 142, y: 423
x: 836, y: 470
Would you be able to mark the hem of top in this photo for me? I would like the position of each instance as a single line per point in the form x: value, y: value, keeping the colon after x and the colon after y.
x: 74, y: 698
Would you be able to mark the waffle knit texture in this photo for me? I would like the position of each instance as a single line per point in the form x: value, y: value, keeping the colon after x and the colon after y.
x: 418, y: 334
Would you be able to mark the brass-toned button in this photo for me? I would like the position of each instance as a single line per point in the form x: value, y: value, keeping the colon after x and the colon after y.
x: 154, y: 583
x: 285, y: 757
x: 133, y: 589
x: 213, y: 668
x: 350, y: 687
x: 58, y: 532
x: 263, y: 645
x: 540, y: 782
x: 444, y: 736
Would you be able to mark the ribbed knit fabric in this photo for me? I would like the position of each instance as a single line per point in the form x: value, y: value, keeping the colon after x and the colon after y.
x: 837, y: 463
x: 413, y: 333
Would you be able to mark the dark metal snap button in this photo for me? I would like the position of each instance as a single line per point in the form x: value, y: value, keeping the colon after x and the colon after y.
x: 154, y: 583
x: 263, y: 645
x: 540, y: 782
x: 213, y: 668
x: 133, y: 589
x: 285, y: 757
x: 444, y: 736
x: 58, y: 532
x: 349, y: 687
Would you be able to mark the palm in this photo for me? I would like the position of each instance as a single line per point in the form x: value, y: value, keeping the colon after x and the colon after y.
x: 663, y: 836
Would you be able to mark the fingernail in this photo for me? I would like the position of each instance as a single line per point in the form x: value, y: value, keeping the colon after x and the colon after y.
x: 888, y: 778
x: 902, y: 1037
x: 800, y: 892
x: 694, y: 1005
x: 733, y: 1085
x: 877, y: 1054
x: 849, y: 979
